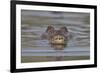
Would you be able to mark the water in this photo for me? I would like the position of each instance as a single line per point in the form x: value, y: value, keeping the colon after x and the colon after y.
x: 34, y: 24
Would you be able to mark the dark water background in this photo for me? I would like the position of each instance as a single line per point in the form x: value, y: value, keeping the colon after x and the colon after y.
x: 36, y: 49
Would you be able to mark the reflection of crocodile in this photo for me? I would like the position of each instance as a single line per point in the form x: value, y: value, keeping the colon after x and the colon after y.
x: 57, y: 38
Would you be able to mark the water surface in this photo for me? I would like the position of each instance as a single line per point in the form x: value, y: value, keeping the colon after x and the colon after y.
x: 36, y: 49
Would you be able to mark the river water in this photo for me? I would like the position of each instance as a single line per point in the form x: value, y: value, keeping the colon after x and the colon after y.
x: 36, y: 49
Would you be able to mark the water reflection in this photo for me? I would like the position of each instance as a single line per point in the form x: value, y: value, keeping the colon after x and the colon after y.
x: 58, y: 46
